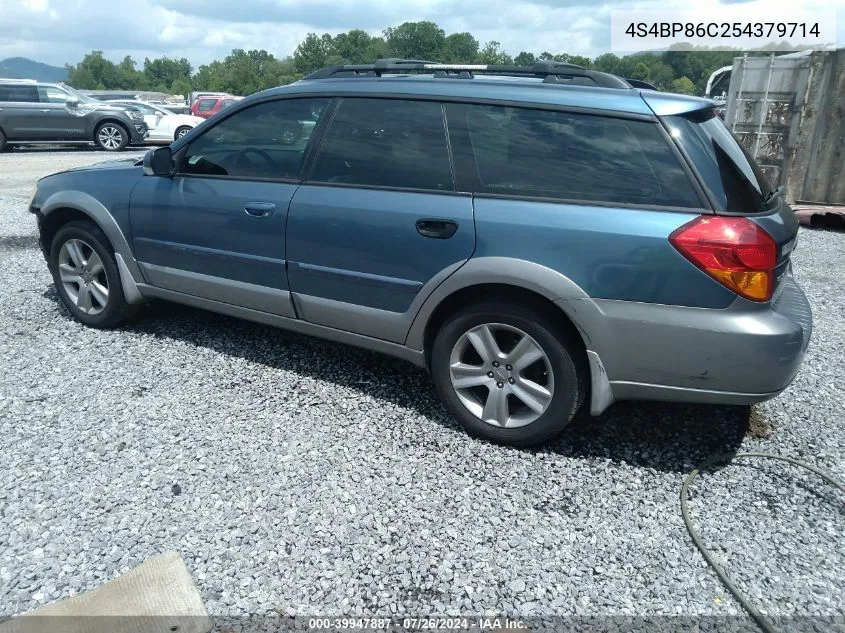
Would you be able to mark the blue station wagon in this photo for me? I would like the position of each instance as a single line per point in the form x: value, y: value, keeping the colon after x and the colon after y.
x: 539, y: 238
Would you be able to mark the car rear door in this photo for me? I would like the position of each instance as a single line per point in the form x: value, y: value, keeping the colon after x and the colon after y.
x: 378, y: 223
x: 216, y: 229
x: 19, y: 111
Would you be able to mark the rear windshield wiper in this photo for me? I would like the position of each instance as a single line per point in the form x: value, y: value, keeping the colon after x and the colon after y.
x: 778, y: 192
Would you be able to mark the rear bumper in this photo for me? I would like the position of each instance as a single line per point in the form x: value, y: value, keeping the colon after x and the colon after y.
x: 743, y: 354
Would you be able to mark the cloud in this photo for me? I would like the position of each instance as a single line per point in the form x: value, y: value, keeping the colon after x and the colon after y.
x: 62, y: 31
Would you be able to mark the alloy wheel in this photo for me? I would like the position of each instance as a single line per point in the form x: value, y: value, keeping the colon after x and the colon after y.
x: 83, y: 276
x: 501, y: 375
x: 110, y: 137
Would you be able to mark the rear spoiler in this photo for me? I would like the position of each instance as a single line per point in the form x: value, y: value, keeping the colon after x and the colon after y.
x: 639, y: 83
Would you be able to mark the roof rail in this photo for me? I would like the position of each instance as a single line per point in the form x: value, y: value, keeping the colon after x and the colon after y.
x: 549, y: 71
x: 13, y: 80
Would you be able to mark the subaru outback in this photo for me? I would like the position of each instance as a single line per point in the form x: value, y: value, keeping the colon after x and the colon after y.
x: 539, y: 238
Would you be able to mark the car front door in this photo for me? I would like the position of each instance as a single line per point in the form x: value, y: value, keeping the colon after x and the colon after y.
x: 59, y: 121
x: 378, y: 223
x: 216, y: 229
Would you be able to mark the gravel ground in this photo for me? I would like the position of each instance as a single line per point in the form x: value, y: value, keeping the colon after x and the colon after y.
x: 297, y: 476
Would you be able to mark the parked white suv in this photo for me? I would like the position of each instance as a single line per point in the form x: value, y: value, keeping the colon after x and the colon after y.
x: 164, y: 125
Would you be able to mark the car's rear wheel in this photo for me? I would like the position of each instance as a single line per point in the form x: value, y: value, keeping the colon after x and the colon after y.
x: 111, y: 137
x: 181, y: 131
x: 507, y: 373
x: 85, y: 272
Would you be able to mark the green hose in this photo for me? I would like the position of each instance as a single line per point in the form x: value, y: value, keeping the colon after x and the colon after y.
x: 758, y: 617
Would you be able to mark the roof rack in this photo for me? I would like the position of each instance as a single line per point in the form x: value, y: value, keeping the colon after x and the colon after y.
x: 548, y: 71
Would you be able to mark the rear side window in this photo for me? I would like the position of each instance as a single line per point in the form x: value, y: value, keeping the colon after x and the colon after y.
x: 18, y: 93
x: 386, y: 143
x: 730, y: 175
x: 206, y: 105
x: 572, y: 156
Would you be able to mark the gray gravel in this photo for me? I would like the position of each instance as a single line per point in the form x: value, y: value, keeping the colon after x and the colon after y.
x: 297, y: 476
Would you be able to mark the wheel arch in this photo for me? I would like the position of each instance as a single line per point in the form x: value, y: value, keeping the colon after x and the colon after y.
x: 488, y: 277
x: 67, y: 206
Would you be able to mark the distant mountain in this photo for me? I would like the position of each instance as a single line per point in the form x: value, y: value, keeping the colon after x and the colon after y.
x: 23, y: 68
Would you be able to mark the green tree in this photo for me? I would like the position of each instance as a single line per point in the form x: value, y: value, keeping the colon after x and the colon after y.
x: 683, y: 85
x: 163, y: 71
x: 460, y: 48
x: 354, y: 47
x: 416, y: 40
x: 492, y: 53
x: 525, y: 59
x: 640, y: 72
x: 180, y: 87
x: 94, y: 70
x: 313, y: 52
x: 608, y: 63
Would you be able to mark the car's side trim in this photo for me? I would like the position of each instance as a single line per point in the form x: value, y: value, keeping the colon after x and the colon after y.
x: 295, y: 325
x: 493, y: 270
x: 627, y: 390
x: 351, y: 317
x: 230, y: 291
x: 380, y: 281
x: 94, y: 209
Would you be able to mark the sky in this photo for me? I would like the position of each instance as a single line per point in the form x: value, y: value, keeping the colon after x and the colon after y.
x: 62, y: 31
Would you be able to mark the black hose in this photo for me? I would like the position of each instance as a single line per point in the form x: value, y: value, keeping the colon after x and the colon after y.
x: 758, y: 617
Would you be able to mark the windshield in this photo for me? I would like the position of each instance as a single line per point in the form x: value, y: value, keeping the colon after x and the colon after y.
x: 728, y: 172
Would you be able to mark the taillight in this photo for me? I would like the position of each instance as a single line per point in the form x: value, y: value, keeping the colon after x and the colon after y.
x: 736, y: 252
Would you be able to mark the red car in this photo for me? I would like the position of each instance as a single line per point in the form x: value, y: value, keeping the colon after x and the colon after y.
x: 207, y: 106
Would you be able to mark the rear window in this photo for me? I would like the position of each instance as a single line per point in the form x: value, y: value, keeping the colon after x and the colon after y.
x: 579, y: 157
x: 730, y: 175
x: 206, y: 104
x: 18, y: 93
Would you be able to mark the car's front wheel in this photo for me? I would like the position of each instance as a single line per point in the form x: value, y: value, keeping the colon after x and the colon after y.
x: 85, y: 272
x: 507, y: 373
x: 111, y: 137
x: 2, y: 141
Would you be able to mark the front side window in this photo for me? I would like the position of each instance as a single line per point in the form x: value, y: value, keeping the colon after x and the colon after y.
x: 206, y: 105
x: 264, y: 141
x: 573, y: 156
x: 50, y: 94
x: 386, y: 143
x: 18, y: 93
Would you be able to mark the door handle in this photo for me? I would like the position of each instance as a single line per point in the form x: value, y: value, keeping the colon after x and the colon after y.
x: 46, y: 110
x: 259, y: 209
x: 437, y: 229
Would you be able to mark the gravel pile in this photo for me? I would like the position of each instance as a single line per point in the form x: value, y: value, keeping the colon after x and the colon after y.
x: 297, y: 476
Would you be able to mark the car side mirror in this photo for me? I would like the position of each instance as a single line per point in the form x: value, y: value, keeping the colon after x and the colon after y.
x: 72, y: 102
x: 159, y: 162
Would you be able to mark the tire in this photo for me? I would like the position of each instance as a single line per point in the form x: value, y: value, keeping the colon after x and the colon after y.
x: 111, y: 137
x: 181, y: 131
x: 559, y: 373
x: 2, y: 141
x: 89, y: 308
